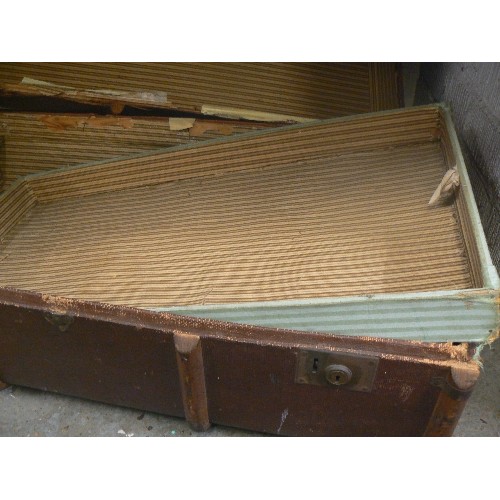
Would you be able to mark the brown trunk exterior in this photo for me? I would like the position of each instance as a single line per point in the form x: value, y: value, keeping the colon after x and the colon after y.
x: 227, y: 374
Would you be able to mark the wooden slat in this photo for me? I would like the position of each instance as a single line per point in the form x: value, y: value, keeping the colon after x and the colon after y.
x: 192, y: 379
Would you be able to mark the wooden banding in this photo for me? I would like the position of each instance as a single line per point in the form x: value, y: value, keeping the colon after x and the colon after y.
x: 192, y: 379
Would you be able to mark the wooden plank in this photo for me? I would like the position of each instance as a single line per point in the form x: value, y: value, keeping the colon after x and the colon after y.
x: 456, y: 389
x: 192, y: 380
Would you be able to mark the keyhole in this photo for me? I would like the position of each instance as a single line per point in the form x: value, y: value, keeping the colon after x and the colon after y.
x: 315, y: 365
x: 338, y: 374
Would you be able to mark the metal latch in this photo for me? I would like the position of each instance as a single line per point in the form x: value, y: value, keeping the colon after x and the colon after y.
x: 61, y: 321
x: 350, y: 371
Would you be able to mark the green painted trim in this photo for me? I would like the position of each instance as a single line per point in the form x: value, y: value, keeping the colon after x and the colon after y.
x: 488, y: 270
x: 450, y: 316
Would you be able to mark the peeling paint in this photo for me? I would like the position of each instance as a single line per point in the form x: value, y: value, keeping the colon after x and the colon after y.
x: 63, y: 122
x: 284, y: 416
x: 405, y: 392
x: 180, y: 123
x: 200, y: 127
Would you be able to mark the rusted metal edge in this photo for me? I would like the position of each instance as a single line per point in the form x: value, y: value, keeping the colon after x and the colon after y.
x: 192, y: 379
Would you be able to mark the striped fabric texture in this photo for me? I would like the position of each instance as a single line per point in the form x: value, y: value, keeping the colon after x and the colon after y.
x: 328, y: 209
x: 36, y: 142
x: 309, y: 90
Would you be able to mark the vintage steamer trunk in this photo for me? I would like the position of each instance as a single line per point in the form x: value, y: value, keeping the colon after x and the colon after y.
x: 292, y: 281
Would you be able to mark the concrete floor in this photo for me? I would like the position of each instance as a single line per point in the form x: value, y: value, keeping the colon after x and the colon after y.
x: 481, y: 416
x: 27, y: 412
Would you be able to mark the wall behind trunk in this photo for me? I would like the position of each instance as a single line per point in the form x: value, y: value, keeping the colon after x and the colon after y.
x: 473, y: 92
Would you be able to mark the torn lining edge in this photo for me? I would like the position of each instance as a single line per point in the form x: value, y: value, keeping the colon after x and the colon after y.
x: 247, y: 114
x: 181, y: 123
x: 446, y: 188
x: 116, y: 99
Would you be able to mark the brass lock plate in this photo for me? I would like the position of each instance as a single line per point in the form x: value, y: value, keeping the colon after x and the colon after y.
x: 343, y: 370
